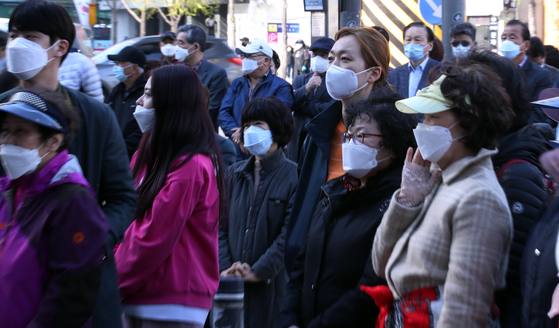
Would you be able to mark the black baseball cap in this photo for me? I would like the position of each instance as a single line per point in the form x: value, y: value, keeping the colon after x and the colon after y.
x: 244, y: 39
x: 169, y: 34
x: 324, y: 44
x: 130, y: 54
x: 32, y: 107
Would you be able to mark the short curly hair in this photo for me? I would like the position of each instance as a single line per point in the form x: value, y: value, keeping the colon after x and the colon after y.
x: 275, y: 113
x: 483, y: 107
x: 512, y: 79
x: 395, y: 126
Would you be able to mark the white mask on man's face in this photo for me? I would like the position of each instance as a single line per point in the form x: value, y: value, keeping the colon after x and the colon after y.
x: 25, y: 59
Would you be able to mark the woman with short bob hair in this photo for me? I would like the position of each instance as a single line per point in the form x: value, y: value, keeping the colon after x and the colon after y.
x: 251, y: 245
x: 168, y: 262
x: 52, y: 230
x: 358, y: 65
x: 324, y: 286
x: 448, y: 239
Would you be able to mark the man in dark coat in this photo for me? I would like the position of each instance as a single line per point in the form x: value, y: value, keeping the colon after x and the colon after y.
x: 290, y: 62
x: 302, y: 59
x: 407, y: 79
x: 192, y: 38
x: 536, y: 53
x: 99, y: 145
x: 538, y: 78
x: 310, y: 96
x: 123, y: 97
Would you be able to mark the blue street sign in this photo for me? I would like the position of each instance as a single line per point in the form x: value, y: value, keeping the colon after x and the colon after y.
x: 431, y: 11
x: 276, y: 27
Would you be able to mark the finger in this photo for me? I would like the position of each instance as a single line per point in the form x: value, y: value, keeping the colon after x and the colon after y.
x: 245, y: 268
x: 417, y: 158
x: 409, y: 155
x: 552, y: 312
x: 435, y: 175
x: 315, y: 74
x: 234, y: 129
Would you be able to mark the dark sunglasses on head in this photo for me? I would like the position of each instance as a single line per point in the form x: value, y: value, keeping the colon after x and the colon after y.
x: 464, y: 43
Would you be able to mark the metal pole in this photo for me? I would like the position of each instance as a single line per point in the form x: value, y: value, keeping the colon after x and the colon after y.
x: 454, y: 12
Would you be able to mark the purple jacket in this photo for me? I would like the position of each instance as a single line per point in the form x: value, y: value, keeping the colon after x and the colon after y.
x: 51, y: 247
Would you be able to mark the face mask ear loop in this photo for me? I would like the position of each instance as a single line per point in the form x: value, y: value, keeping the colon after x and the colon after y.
x: 42, y: 146
x: 453, y: 125
x: 384, y: 159
x: 364, y: 85
x: 48, y: 61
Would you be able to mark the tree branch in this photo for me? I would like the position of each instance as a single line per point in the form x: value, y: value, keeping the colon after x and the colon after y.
x: 131, y: 12
x: 164, y: 16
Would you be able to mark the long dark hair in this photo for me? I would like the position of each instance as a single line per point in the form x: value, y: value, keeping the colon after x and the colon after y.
x: 182, y: 126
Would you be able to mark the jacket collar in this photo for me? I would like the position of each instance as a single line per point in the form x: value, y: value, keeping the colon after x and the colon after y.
x: 527, y: 65
x: 380, y: 186
x: 454, y: 170
x: 63, y: 168
x: 139, y: 83
x: 324, y: 124
x: 269, y: 163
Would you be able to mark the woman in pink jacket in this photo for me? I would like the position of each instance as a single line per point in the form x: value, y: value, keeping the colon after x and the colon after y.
x: 168, y: 263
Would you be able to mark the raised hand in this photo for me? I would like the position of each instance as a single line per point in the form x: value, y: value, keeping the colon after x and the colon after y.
x: 417, y: 182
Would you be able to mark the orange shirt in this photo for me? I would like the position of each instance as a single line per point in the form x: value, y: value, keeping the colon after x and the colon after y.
x: 336, y: 167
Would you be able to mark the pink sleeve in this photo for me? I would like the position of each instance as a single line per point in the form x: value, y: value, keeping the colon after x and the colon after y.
x: 152, y: 238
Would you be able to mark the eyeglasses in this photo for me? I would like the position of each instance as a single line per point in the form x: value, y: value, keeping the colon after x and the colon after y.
x: 358, y: 138
x: 464, y: 43
x: 250, y: 56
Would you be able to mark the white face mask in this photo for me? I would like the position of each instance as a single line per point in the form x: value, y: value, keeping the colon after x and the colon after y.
x: 181, y: 54
x: 25, y: 59
x: 18, y: 161
x: 358, y: 160
x: 144, y: 117
x: 342, y: 83
x: 257, y: 140
x: 461, y: 51
x: 433, y: 141
x: 319, y: 64
x: 250, y: 65
x: 509, y: 49
x: 168, y: 50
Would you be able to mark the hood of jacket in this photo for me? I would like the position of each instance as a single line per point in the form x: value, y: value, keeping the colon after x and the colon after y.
x: 527, y: 144
x: 63, y: 168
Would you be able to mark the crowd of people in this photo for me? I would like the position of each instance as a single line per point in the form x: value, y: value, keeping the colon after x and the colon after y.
x: 358, y: 195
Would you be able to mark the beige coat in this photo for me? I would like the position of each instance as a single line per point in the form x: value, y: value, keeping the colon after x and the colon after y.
x: 459, y: 237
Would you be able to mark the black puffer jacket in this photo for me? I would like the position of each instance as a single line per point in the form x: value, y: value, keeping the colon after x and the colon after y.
x: 526, y: 194
x: 323, y: 290
x: 539, y: 272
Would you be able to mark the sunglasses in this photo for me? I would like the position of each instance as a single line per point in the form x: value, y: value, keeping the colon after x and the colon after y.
x: 464, y: 43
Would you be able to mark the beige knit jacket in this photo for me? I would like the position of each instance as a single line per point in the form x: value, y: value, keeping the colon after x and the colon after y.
x: 459, y: 237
